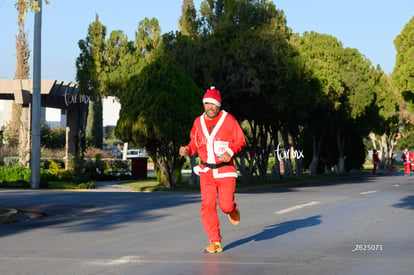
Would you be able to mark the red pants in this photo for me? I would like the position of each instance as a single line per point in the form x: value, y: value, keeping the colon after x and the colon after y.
x: 374, y: 169
x: 407, y: 168
x: 211, y: 188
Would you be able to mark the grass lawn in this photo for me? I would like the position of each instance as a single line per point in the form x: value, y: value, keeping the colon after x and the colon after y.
x: 69, y: 185
x: 151, y: 184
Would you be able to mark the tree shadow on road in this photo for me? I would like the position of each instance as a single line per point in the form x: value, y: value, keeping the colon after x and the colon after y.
x: 91, y: 211
x: 273, y: 231
x: 407, y: 203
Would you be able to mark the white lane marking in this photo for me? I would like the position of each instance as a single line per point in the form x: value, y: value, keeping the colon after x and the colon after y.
x: 368, y: 192
x: 119, y: 261
x: 396, y: 185
x: 296, y: 207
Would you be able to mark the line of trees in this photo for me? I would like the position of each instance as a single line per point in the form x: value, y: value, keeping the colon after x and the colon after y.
x: 305, y: 92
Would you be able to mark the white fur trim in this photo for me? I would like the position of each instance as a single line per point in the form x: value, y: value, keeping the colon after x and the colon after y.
x: 197, y: 170
x: 211, y: 100
x: 228, y: 150
x: 218, y: 175
x: 210, y: 137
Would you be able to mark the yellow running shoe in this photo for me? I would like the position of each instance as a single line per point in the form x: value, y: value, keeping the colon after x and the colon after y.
x: 214, y: 247
x: 234, y: 217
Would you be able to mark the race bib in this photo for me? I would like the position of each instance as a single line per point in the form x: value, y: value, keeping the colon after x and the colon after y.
x: 220, y: 147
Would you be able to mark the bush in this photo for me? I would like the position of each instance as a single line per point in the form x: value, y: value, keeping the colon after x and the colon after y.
x: 117, y: 169
x: 15, y: 173
x: 89, y: 169
x: 83, y: 171
x: 54, y: 169
x: 19, y: 176
x: 52, y: 138
x: 87, y: 185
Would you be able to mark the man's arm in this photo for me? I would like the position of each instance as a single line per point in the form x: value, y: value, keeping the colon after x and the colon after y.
x: 238, y: 143
x: 190, y: 148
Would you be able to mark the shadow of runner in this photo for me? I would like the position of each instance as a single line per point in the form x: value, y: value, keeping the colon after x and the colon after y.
x: 273, y: 231
x: 407, y: 203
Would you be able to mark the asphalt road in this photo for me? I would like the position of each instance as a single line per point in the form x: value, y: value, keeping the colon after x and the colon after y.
x: 356, y: 226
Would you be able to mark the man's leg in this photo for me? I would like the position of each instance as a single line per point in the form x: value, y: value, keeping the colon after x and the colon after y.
x: 226, y: 189
x: 209, y: 215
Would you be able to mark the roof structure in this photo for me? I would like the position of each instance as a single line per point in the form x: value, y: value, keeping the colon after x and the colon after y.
x: 54, y: 93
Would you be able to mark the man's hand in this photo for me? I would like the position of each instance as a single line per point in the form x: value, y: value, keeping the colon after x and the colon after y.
x: 225, y: 157
x: 184, y: 151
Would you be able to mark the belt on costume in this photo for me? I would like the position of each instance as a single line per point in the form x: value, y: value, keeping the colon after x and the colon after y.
x: 215, y: 166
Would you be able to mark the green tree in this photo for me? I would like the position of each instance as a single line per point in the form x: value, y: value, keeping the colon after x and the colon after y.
x: 246, y: 51
x: 22, y: 67
x: 384, y: 118
x: 148, y: 38
x: 157, y: 112
x: 119, y: 64
x: 22, y: 43
x: 187, y: 22
x: 158, y: 104
x: 347, y: 83
x: 403, y: 82
x: 90, y: 67
x: 403, y: 74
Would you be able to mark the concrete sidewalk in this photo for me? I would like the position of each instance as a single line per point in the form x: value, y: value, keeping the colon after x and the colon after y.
x: 111, y: 186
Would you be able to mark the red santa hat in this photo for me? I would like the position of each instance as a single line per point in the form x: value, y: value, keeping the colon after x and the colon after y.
x: 405, y: 150
x: 212, y: 96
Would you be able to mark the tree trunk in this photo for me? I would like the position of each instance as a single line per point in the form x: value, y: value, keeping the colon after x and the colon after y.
x: 240, y: 163
x: 388, y: 143
x: 24, y: 137
x: 340, y: 142
x: 313, y: 166
x: 164, y: 173
x: 20, y: 123
x: 373, y: 140
x: 275, y: 174
x: 316, y: 150
x: 287, y: 162
x: 298, y: 154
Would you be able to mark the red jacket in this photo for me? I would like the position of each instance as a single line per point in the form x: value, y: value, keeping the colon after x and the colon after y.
x: 227, y: 136
x: 406, y: 157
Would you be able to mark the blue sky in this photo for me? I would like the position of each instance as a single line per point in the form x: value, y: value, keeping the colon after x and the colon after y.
x: 367, y: 25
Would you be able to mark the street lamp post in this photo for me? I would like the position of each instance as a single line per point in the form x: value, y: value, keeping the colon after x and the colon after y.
x: 36, y: 105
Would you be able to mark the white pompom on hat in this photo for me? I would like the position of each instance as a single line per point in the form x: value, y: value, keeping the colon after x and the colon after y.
x: 212, y: 96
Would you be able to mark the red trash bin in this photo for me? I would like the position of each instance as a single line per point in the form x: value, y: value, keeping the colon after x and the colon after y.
x: 139, y: 167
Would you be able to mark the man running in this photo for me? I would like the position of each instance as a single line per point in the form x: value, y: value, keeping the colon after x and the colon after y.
x: 216, y: 136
